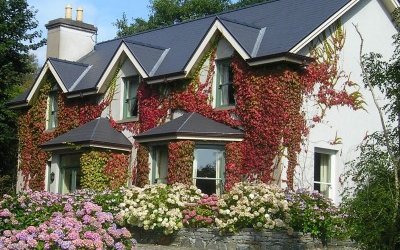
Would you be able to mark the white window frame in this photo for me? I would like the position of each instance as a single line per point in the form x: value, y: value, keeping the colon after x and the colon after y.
x: 220, y: 167
x: 217, y: 85
x: 125, y: 81
x: 155, y: 167
x: 332, y: 167
x: 52, y: 108
x: 75, y: 169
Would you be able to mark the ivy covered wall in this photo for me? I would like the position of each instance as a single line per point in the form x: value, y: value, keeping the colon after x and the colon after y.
x: 268, y: 108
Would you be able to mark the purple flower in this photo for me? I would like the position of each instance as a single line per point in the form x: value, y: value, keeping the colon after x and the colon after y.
x: 5, y: 213
x: 119, y: 246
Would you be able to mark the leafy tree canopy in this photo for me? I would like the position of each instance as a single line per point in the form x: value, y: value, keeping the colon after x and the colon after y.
x: 167, y: 12
x: 17, y: 38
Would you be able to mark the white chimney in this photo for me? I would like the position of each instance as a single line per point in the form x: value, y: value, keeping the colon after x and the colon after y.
x: 70, y: 39
x: 68, y: 12
x: 79, y: 14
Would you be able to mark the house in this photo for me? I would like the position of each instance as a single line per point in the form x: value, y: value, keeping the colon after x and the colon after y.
x: 245, y: 94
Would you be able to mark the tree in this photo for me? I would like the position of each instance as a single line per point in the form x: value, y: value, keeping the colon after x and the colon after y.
x: 17, y: 38
x: 167, y: 12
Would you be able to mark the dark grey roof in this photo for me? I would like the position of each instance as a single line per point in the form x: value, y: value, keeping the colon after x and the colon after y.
x: 191, y: 124
x: 68, y: 71
x: 96, y: 133
x: 284, y: 23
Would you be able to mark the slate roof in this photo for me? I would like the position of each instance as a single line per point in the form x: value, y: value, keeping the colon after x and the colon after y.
x: 262, y: 30
x: 69, y: 72
x: 97, y: 133
x: 191, y: 124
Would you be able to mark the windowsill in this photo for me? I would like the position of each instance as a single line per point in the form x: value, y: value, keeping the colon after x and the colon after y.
x: 50, y: 130
x: 225, y: 108
x: 131, y: 119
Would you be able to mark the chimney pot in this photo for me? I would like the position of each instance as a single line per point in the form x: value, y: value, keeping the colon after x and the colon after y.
x: 68, y: 12
x: 79, y: 14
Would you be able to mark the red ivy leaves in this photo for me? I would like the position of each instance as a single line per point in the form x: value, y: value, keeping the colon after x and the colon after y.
x: 180, y: 162
x: 116, y: 170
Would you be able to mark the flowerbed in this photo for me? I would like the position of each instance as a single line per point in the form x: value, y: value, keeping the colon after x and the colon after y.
x: 90, y: 220
x: 247, y: 205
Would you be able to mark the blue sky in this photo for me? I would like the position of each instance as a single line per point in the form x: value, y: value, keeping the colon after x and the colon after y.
x: 101, y: 13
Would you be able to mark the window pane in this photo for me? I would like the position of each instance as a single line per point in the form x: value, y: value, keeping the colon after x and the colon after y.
x: 209, y: 169
x: 206, y: 162
x: 52, y: 115
x: 70, y: 173
x: 224, y: 91
x: 322, y: 173
x: 161, y: 167
x: 206, y: 186
x: 130, y: 100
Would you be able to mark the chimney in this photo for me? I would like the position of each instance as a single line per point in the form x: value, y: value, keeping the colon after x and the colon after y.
x: 68, y: 12
x: 70, y: 39
x: 79, y: 14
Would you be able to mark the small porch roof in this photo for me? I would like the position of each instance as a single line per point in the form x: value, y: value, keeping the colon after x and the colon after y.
x: 97, y: 133
x: 191, y: 126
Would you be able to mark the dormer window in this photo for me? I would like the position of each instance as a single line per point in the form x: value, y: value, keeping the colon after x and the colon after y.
x: 52, y: 107
x: 130, y: 103
x: 224, y: 87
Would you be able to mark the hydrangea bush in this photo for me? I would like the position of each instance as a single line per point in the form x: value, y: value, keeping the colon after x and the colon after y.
x: 202, y: 213
x: 157, y: 207
x: 87, y: 219
x: 253, y: 205
x: 59, y: 222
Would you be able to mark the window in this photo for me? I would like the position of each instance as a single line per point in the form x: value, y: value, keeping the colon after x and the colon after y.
x: 52, y: 108
x: 323, y: 173
x: 224, y: 87
x: 208, y: 170
x: 70, y: 178
x: 130, y: 103
x: 160, y: 165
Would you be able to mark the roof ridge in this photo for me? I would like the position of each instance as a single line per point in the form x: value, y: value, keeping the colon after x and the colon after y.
x: 187, y: 119
x: 70, y: 62
x: 190, y: 20
x: 95, y: 127
x: 145, y: 44
x: 240, y: 23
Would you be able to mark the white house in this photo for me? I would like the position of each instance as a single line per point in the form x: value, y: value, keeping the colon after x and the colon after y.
x: 272, y: 35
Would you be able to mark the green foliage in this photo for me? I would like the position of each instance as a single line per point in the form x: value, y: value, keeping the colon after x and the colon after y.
x: 167, y: 12
x: 17, y: 20
x: 386, y: 76
x: 109, y: 200
x: 93, y: 164
x: 370, y: 204
x: 314, y: 214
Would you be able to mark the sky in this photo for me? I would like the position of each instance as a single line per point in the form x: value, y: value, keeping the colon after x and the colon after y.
x: 100, y: 13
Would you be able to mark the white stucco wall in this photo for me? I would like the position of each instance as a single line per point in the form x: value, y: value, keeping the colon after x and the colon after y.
x: 374, y: 22
x: 62, y: 43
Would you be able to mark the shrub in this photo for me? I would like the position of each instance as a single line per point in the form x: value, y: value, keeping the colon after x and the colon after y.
x: 254, y: 205
x: 314, y: 214
x: 29, y: 208
x: 87, y: 227
x: 157, y: 207
x: 202, y: 213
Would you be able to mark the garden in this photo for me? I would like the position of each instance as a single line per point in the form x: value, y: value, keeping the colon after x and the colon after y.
x: 105, y: 220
